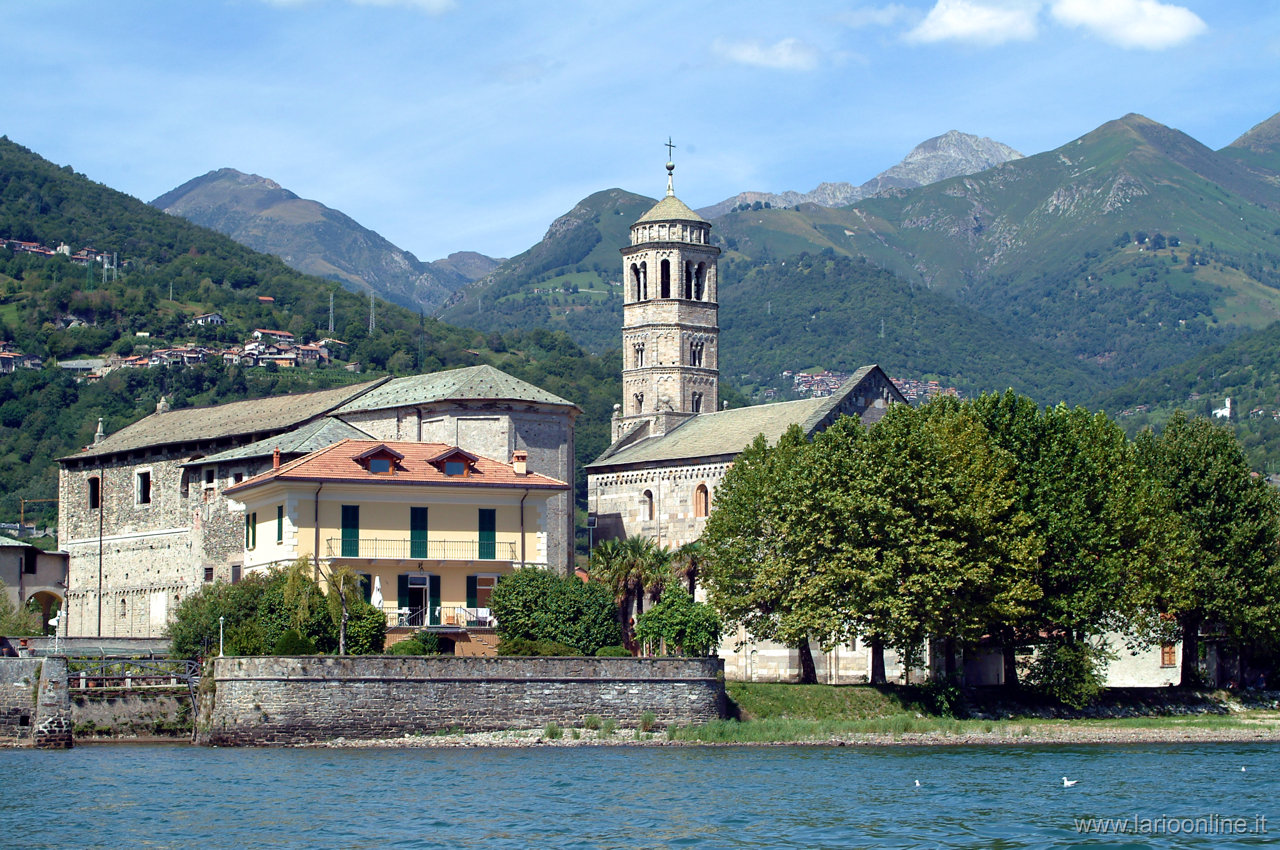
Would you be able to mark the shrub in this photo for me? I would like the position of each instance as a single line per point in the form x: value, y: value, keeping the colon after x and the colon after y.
x: 366, y: 630
x: 608, y: 727
x: 679, y: 625
x: 292, y: 643
x: 535, y: 605
x: 521, y: 646
x: 591, y: 721
x: 1072, y: 673
x: 613, y: 652
x: 647, y: 720
x: 552, y: 732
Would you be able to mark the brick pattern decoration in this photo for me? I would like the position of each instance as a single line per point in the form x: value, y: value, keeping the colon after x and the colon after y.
x: 264, y: 701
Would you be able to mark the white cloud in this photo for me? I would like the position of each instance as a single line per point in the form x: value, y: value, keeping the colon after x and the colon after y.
x: 1146, y: 24
x: 789, y: 54
x: 875, y: 16
x: 984, y: 23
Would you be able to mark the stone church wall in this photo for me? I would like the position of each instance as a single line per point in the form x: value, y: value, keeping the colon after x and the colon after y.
x: 617, y: 499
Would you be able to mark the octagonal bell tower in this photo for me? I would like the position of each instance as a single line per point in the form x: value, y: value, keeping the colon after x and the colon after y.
x: 670, y: 322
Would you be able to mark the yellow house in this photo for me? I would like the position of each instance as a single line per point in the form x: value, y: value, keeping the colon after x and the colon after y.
x: 431, y: 526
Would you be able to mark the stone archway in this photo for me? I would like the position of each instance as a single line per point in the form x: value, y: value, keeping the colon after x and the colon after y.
x: 50, y: 604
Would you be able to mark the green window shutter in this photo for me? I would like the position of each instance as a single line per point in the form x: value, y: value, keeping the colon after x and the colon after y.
x: 253, y: 530
x: 488, y: 534
x: 402, y: 590
x: 247, y: 526
x: 471, y: 591
x: 279, y: 523
x: 417, y: 532
x: 433, y: 599
x: 350, y: 531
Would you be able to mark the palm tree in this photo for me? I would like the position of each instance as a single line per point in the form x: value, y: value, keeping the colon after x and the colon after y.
x: 611, y: 566
x: 686, y: 561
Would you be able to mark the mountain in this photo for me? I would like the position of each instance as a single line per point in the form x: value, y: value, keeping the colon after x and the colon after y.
x: 317, y: 240
x: 1133, y: 247
x: 569, y: 281
x: 1260, y: 146
x: 951, y: 154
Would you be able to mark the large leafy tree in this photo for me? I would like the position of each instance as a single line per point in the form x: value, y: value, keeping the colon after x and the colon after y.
x: 1228, y: 575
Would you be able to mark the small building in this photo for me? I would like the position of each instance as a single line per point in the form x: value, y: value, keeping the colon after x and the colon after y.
x: 209, y: 319
x: 30, y: 573
x: 430, y: 527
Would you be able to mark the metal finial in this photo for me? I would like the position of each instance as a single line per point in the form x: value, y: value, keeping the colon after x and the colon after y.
x: 671, y: 167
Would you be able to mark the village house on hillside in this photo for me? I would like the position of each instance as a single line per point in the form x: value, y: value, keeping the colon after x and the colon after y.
x: 143, y: 513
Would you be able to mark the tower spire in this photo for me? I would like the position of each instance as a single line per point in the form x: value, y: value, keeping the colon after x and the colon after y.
x: 671, y: 167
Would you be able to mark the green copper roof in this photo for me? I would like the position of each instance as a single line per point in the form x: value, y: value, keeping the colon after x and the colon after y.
x: 309, y: 438
x: 473, y: 383
x: 670, y: 208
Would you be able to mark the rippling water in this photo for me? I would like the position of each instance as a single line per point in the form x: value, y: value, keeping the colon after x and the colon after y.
x: 120, y: 796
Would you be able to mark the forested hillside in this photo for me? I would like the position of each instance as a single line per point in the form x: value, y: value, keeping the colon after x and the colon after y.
x: 169, y: 271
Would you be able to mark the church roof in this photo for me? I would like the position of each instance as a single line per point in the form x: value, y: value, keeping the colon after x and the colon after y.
x: 670, y: 208
x: 300, y: 441
x: 471, y: 383
x: 725, y: 433
x: 259, y: 416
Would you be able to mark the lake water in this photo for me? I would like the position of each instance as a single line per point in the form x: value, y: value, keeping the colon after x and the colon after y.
x: 162, y: 796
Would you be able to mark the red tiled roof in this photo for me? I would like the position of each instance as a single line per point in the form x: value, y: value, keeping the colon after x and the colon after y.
x: 340, y: 463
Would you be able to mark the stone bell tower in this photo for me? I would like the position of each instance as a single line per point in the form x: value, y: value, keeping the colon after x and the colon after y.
x: 670, y: 323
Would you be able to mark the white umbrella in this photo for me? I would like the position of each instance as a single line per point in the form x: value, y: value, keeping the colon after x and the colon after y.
x: 375, y: 599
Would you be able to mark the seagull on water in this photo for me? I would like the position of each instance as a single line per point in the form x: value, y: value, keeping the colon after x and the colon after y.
x: 1067, y: 783
x: 918, y: 782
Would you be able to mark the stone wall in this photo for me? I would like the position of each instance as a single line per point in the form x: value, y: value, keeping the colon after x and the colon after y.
x: 266, y: 701
x: 35, y: 708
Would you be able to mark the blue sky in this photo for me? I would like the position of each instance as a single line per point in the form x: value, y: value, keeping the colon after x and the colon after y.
x: 451, y: 125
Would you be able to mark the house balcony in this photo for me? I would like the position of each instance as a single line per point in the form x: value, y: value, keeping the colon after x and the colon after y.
x: 374, y: 549
x: 442, y: 617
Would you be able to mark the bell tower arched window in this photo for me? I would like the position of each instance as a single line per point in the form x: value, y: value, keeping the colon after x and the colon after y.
x: 695, y: 353
x: 666, y: 279
x: 699, y: 281
x: 688, y: 280
x: 638, y: 350
x: 695, y: 401
x: 638, y: 400
x: 646, y: 507
x: 701, y: 501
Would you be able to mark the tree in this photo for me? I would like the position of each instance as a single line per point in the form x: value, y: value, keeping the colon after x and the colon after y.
x: 535, y: 605
x: 348, y: 610
x: 678, y: 625
x: 1227, y: 575
x: 18, y: 621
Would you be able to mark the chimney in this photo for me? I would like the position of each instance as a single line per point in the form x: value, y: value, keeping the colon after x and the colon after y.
x: 520, y: 462
x: 99, y: 435
x: 162, y: 406
x: 275, y: 458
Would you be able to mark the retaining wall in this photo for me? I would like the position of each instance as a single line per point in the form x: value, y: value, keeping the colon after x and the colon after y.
x: 35, y: 708
x: 268, y: 701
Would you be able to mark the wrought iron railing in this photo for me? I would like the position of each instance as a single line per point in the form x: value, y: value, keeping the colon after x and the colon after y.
x: 442, y: 615
x: 421, y: 550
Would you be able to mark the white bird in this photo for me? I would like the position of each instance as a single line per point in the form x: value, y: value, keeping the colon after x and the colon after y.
x: 1067, y: 783
x: 1242, y: 770
x: 918, y: 781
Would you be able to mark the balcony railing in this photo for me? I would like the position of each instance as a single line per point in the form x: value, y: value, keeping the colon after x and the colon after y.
x: 441, y: 615
x: 421, y: 550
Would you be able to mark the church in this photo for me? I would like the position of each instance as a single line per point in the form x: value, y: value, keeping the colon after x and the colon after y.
x: 671, y: 443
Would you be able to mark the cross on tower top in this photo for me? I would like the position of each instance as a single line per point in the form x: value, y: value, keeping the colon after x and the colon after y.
x: 670, y: 147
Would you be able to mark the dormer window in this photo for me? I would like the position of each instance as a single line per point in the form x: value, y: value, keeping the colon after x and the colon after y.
x: 455, y: 463
x: 380, y: 460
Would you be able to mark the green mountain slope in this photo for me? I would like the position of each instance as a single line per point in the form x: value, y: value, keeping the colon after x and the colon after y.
x: 170, y: 270
x: 570, y: 281
x: 313, y: 238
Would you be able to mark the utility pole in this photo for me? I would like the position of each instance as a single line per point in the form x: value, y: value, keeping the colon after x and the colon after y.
x: 371, y: 319
x: 330, y: 312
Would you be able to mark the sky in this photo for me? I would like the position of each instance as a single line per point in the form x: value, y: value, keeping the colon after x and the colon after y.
x: 451, y: 125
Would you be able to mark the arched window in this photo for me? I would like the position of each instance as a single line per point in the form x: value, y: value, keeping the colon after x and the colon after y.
x: 124, y: 609
x: 688, y: 280
x: 639, y: 355
x: 638, y: 398
x: 697, y: 402
x: 695, y: 353
x: 644, y: 282
x: 666, y: 279
x: 699, y: 281
x: 635, y: 282
x: 701, y: 501
x: 647, y: 507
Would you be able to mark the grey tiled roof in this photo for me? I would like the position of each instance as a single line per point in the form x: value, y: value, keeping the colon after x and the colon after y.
x: 670, y: 208
x: 725, y: 433
x: 300, y: 441
x: 238, y: 418
x: 474, y: 383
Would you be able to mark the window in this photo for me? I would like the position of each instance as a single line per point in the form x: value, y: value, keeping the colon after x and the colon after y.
x: 208, y: 476
x: 454, y: 467
x: 638, y: 398
x: 95, y: 493
x: 666, y: 279
x: 697, y: 402
x: 646, y: 509
x: 235, y: 573
x: 208, y: 574
x: 124, y: 609
x: 701, y: 501
x: 1168, y: 655
x: 488, y: 548
x: 250, y: 530
x: 350, y: 531
x: 688, y: 279
x: 417, y: 532
x: 638, y: 348
x: 237, y: 477
x: 699, y: 280
x: 279, y: 523
x: 29, y: 560
x: 380, y: 465
x: 480, y: 590
x: 142, y: 489
x: 695, y: 353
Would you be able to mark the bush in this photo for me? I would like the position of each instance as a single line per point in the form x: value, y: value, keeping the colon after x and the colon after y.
x: 521, y: 646
x: 613, y: 652
x: 535, y: 605
x: 1072, y: 673
x: 679, y: 626
x: 591, y: 721
x: 366, y: 630
x: 292, y: 643
x: 552, y: 732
